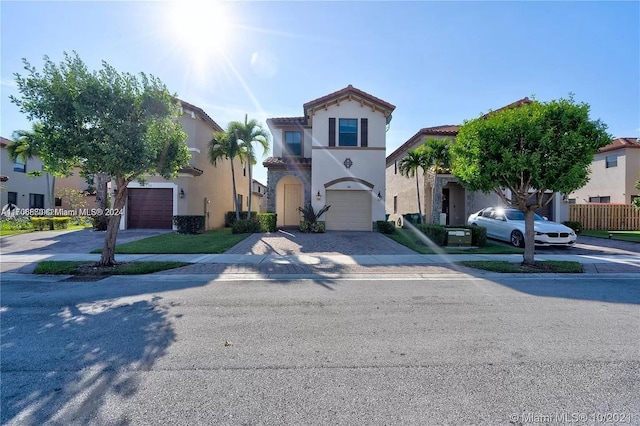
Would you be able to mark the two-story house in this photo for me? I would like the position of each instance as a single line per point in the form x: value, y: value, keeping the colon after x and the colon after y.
x: 259, y: 197
x: 443, y: 199
x: 333, y: 155
x: 18, y: 187
x: 200, y: 189
x: 614, y: 172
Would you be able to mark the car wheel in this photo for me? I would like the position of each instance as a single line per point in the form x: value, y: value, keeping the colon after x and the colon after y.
x: 517, y: 239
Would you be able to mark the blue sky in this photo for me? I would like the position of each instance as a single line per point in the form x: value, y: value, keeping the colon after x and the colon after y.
x: 438, y: 62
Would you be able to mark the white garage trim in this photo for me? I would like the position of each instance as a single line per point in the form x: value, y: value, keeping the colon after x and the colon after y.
x: 350, y: 210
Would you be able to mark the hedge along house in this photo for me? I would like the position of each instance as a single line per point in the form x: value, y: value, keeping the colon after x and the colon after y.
x: 200, y: 188
x: 443, y: 198
x: 333, y: 155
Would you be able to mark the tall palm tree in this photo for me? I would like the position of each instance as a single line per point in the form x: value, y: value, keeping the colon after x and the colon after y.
x: 224, y: 145
x: 437, y: 153
x: 25, y: 146
x: 409, y: 167
x: 246, y: 135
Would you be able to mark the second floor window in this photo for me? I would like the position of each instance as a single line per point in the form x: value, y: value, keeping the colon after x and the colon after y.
x: 612, y: 161
x: 348, y: 132
x: 293, y: 142
x: 19, y: 165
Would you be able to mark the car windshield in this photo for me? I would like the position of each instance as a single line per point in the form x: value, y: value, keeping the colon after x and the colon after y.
x: 518, y: 215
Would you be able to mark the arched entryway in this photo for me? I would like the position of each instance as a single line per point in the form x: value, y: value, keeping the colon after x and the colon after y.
x: 289, y: 196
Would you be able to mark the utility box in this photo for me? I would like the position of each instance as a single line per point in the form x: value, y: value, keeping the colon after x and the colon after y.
x: 458, y: 237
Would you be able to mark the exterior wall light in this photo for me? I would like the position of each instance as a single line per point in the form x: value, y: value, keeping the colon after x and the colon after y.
x: 181, y: 193
x: 318, y: 196
x: 379, y: 196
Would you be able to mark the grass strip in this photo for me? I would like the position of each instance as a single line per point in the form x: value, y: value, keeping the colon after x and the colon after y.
x: 413, y: 241
x: 630, y: 236
x: 54, y: 267
x: 211, y: 242
x: 549, y: 266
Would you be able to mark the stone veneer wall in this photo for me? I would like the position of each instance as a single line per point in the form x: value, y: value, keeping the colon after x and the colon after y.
x: 274, y: 176
x: 439, y: 182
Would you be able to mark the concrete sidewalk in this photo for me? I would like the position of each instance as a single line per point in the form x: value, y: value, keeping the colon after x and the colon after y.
x: 310, y: 263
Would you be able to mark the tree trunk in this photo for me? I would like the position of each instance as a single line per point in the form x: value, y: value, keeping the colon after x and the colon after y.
x: 102, y: 195
x: 108, y: 251
x: 418, y: 192
x: 235, y: 193
x: 529, y: 238
x: 250, y: 191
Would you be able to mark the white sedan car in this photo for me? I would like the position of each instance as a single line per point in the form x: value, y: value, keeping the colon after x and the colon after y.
x: 508, y: 225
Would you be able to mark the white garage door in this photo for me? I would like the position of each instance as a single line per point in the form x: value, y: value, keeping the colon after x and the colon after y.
x: 349, y: 211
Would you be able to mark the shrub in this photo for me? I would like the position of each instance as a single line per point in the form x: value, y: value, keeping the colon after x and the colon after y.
x: 60, y: 222
x: 573, y: 224
x: 230, y: 217
x: 99, y: 223
x: 310, y: 218
x: 267, y: 221
x: 16, y: 223
x: 244, y: 226
x: 40, y: 223
x: 319, y: 226
x: 189, y: 224
x: 305, y: 226
x: 436, y: 233
x: 386, y: 227
x: 478, y: 236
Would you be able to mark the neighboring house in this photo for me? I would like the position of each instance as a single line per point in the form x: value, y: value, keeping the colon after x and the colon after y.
x: 76, y: 182
x: 614, y: 172
x: 443, y: 198
x: 199, y: 189
x: 259, y: 197
x: 332, y: 155
x: 19, y: 188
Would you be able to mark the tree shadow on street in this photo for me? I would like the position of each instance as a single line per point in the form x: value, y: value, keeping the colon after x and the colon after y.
x: 60, y: 363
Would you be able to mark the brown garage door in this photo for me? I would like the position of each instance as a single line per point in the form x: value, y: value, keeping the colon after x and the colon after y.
x: 150, y: 208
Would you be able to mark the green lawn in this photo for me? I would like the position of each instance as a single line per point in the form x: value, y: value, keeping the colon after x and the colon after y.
x: 211, y: 242
x: 7, y: 232
x: 551, y: 266
x: 631, y: 236
x: 87, y: 268
x: 409, y: 239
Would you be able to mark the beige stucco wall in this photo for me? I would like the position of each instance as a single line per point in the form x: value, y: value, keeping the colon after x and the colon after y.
x: 210, y: 194
x: 368, y: 162
x: 616, y: 182
x: 22, y: 184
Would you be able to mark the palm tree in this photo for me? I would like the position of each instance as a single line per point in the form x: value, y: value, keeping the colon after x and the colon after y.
x: 24, y: 146
x: 409, y: 166
x: 437, y: 153
x: 246, y: 135
x: 224, y: 145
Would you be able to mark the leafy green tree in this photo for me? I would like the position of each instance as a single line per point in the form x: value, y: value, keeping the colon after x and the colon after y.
x: 522, y: 152
x: 246, y: 135
x: 224, y: 145
x: 410, y: 166
x: 120, y: 124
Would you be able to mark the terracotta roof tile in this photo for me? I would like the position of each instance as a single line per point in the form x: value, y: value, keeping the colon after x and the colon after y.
x: 286, y: 162
x: 297, y: 121
x: 444, y: 130
x: 621, y: 143
x: 200, y: 111
x: 347, y: 90
x: 517, y: 103
x: 4, y: 141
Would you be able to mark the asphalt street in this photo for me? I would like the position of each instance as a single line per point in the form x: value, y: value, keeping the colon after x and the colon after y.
x: 163, y: 349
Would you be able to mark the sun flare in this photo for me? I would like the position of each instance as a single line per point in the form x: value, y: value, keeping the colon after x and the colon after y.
x: 199, y: 26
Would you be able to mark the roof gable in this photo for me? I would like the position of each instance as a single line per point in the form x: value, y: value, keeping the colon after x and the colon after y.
x: 621, y: 143
x: 349, y: 93
x: 201, y: 113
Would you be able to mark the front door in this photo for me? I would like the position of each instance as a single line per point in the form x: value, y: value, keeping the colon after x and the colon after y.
x: 292, y: 195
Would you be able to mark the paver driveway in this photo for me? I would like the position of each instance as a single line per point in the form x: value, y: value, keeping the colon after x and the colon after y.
x: 331, y: 242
